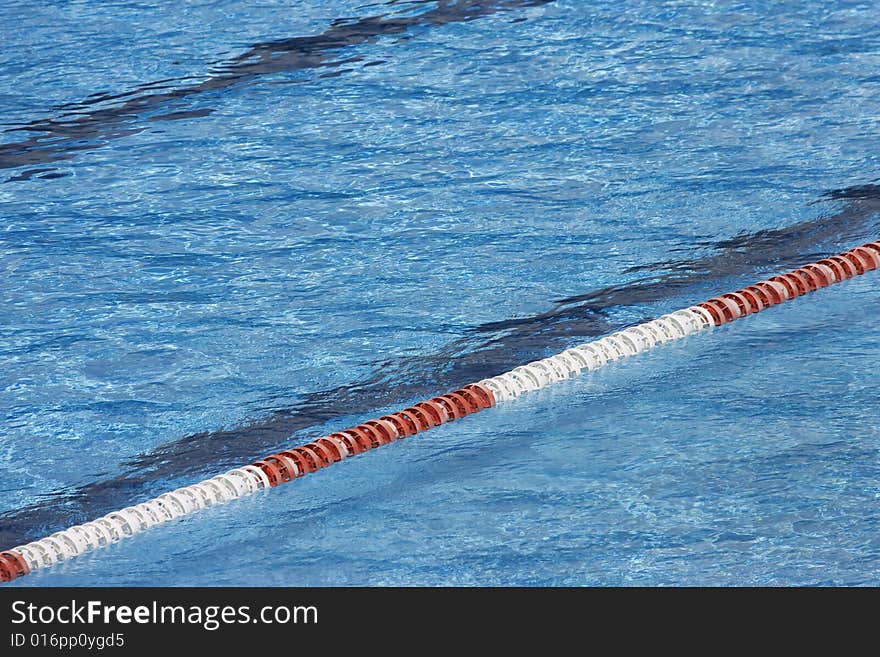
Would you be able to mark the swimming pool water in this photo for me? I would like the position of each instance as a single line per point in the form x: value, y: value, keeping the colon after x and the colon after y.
x: 229, y: 228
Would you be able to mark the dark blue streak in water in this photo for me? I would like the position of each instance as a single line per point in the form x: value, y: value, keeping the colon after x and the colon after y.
x: 81, y: 128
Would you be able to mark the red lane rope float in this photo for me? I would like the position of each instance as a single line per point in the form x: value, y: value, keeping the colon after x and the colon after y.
x: 296, y: 462
x: 375, y: 433
x: 12, y: 565
x: 808, y: 278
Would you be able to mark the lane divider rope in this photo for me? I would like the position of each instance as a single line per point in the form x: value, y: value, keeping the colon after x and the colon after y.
x: 292, y: 463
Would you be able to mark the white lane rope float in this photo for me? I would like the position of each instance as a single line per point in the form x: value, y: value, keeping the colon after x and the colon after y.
x: 321, y: 452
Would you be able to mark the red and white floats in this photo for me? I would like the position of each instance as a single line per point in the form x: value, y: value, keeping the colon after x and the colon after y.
x: 290, y: 464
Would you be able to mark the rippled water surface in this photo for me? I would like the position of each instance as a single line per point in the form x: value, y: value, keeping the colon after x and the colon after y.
x: 230, y: 227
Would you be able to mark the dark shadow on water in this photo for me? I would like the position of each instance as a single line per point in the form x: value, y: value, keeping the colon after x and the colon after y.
x: 483, y: 351
x: 101, y: 118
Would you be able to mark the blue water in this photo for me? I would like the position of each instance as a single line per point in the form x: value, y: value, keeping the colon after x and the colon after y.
x: 230, y: 227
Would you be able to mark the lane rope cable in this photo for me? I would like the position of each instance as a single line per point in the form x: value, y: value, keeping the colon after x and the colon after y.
x: 292, y: 463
